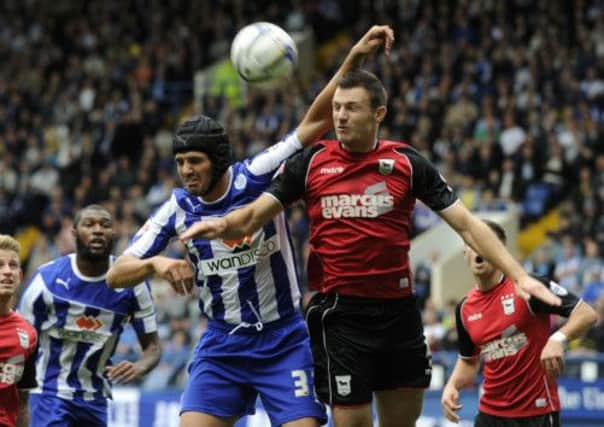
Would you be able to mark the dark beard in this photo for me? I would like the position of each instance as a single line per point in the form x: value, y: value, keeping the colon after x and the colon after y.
x: 83, y: 251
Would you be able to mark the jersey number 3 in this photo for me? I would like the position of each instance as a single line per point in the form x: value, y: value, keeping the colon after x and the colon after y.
x: 300, y: 383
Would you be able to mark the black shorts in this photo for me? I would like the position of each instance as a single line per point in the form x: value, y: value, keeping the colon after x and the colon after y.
x: 549, y: 420
x: 362, y: 345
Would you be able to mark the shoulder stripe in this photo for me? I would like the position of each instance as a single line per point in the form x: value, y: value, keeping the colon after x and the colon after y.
x: 461, y: 305
x: 321, y: 148
x: 396, y: 150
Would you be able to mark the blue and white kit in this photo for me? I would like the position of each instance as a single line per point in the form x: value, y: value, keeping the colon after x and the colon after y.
x: 79, y: 320
x: 256, y: 342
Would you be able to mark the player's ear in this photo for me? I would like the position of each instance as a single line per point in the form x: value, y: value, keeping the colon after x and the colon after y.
x: 380, y: 113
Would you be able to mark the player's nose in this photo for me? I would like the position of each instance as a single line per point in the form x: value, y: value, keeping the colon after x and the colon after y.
x: 187, y: 169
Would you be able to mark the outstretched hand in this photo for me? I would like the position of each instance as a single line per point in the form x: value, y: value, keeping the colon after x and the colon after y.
x: 207, y: 229
x: 378, y: 35
x: 528, y: 286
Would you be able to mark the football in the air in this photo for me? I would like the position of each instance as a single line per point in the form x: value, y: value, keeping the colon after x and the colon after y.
x: 263, y: 53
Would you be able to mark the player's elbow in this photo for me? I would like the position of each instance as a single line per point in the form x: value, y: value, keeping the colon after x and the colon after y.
x: 152, y: 351
x: 586, y: 316
x: 112, y: 279
x: 156, y: 352
x: 592, y: 317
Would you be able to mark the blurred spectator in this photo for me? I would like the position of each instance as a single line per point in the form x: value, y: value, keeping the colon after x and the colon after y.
x: 449, y: 340
x: 423, y: 218
x: 567, y: 266
x: 541, y: 263
x: 512, y: 136
x: 175, y: 354
x: 422, y: 277
x: 43, y: 251
x: 592, y: 263
x: 594, y: 286
x: 434, y: 330
x: 127, y: 347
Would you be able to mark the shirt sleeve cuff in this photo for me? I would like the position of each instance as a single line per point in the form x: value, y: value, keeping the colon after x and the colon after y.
x: 294, y: 140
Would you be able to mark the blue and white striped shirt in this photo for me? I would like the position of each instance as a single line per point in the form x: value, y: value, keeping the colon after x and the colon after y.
x: 250, y: 280
x: 79, y: 320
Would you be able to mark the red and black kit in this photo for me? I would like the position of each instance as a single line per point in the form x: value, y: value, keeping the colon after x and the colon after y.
x: 359, y: 206
x: 365, y: 329
x: 508, y: 334
x: 17, y: 365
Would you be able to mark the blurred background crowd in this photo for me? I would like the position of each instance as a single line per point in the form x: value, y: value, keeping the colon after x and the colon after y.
x: 505, y: 97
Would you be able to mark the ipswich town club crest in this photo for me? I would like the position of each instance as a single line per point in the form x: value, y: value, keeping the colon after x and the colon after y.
x: 23, y: 338
x: 343, y: 386
x: 385, y: 166
x: 507, y: 301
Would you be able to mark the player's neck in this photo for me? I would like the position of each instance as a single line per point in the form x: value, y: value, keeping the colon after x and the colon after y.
x: 489, y: 281
x: 92, y: 268
x: 5, y: 305
x: 219, y: 189
x: 359, y: 146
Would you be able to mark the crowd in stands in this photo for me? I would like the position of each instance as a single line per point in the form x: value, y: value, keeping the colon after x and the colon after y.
x: 506, y: 98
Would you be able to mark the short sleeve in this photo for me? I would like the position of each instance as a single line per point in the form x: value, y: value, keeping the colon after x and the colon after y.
x: 32, y: 305
x: 467, y: 348
x: 28, y: 379
x: 268, y: 160
x: 429, y: 185
x: 569, y: 300
x: 290, y: 183
x: 155, y: 234
x: 143, y: 317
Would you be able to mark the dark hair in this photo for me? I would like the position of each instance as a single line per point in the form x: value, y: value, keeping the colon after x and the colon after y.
x: 497, y: 229
x: 94, y: 207
x: 369, y: 82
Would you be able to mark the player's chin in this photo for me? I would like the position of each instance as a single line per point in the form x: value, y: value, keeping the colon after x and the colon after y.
x: 196, y: 189
x: 7, y: 290
x: 98, y: 253
x: 343, y: 137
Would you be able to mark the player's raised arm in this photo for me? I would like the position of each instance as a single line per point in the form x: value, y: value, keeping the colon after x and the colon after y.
x: 482, y: 239
x: 318, y: 118
x: 238, y: 223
